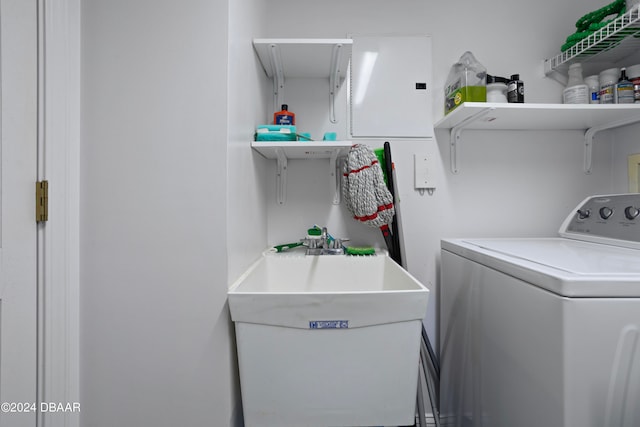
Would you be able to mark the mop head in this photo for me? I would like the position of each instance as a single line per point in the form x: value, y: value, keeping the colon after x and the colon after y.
x: 364, y: 190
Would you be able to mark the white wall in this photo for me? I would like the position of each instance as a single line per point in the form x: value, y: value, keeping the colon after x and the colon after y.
x: 246, y: 229
x: 626, y: 143
x: 248, y: 94
x: 156, y: 346
x: 510, y: 183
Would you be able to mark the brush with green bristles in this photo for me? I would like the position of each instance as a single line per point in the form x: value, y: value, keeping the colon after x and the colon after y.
x: 362, y: 250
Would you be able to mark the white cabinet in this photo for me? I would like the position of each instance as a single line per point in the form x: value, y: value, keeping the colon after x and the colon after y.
x: 391, y: 87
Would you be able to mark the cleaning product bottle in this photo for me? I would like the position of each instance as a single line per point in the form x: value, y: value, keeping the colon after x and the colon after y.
x: 624, y: 89
x: 284, y: 117
x: 467, y: 81
x: 577, y: 91
x: 515, y: 89
x: 594, y: 88
x: 608, y: 79
x: 633, y: 73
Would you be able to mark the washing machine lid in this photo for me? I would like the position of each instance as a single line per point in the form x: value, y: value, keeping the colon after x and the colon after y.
x: 564, y: 266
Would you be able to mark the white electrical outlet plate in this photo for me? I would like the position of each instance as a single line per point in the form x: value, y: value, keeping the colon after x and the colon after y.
x: 424, y: 171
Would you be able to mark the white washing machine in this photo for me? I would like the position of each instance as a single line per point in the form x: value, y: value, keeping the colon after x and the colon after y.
x: 545, y: 331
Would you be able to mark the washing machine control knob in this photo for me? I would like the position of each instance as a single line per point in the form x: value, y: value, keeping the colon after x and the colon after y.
x: 631, y: 212
x: 583, y: 214
x: 605, y: 212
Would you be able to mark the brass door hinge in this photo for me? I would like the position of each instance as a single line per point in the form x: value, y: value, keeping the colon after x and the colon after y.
x: 42, y: 201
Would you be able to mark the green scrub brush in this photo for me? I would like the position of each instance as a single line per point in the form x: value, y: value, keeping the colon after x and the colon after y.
x: 353, y: 250
x: 315, y: 231
x: 284, y: 247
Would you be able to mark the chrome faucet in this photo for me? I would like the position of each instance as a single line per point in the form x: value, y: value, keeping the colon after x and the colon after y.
x: 324, y: 241
x: 324, y: 245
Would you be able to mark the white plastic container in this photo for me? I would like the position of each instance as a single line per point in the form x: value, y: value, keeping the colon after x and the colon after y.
x: 496, y: 89
x: 328, y: 340
x: 497, y: 92
x: 608, y: 79
x: 594, y: 88
x: 576, y: 92
x: 634, y: 75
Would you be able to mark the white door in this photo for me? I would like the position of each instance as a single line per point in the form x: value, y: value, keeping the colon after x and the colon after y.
x: 18, y: 163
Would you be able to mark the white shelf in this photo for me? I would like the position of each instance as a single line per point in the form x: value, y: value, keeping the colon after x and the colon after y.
x: 303, y: 57
x: 283, y: 151
x: 591, y: 118
x: 603, y: 49
x: 302, y: 149
x: 538, y: 116
x: 310, y: 58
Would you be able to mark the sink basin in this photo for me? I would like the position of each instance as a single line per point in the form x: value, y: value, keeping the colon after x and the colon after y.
x: 363, y: 290
x: 327, y: 340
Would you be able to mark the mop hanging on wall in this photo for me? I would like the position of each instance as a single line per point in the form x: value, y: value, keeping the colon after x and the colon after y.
x: 365, y: 193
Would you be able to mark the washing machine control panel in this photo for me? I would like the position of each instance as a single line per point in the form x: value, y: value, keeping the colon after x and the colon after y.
x: 612, y: 219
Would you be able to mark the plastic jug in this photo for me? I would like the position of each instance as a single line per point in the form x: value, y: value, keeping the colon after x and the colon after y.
x: 466, y: 82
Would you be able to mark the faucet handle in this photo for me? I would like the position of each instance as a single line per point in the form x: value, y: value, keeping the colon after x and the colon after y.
x: 310, y: 242
x: 337, y: 243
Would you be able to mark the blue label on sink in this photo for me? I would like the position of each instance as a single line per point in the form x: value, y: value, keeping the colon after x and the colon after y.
x: 329, y: 324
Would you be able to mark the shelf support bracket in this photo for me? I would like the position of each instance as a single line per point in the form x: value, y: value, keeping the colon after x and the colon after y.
x: 553, y: 73
x: 281, y: 177
x: 278, y: 76
x: 590, y: 133
x: 456, y: 133
x: 334, y: 173
x: 334, y: 80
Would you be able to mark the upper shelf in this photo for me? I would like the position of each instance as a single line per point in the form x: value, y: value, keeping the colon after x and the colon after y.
x: 303, y: 57
x: 603, y: 49
x: 317, y: 58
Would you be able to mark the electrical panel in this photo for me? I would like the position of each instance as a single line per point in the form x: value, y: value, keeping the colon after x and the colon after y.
x: 390, y: 87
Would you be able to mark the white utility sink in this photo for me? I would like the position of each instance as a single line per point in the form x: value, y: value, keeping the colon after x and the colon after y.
x: 330, y: 340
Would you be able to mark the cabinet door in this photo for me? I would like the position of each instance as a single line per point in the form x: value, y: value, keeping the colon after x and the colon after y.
x: 391, y: 86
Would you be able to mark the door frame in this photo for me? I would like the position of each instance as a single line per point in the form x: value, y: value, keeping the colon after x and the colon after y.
x: 59, y: 33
